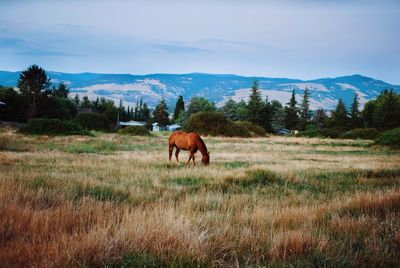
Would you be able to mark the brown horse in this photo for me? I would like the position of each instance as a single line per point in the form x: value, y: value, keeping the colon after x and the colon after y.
x: 189, y: 142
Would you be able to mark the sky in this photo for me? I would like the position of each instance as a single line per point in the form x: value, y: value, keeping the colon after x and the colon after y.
x: 305, y: 39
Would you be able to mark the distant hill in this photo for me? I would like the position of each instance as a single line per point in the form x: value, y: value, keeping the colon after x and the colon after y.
x: 325, y: 92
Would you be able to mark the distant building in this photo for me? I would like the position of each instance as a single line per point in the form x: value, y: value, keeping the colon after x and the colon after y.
x: 174, y: 127
x: 132, y: 123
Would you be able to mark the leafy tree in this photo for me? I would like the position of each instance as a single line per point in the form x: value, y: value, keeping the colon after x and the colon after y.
x: 255, y: 106
x: 160, y: 114
x: 368, y: 113
x: 16, y: 105
x: 355, y: 115
x: 200, y: 104
x: 241, y: 110
x: 387, y: 112
x: 340, y: 118
x: 291, y: 115
x: 230, y: 110
x: 33, y: 84
x: 305, y: 114
x: 179, y: 107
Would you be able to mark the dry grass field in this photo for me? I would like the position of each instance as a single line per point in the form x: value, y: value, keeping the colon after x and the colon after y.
x: 111, y: 201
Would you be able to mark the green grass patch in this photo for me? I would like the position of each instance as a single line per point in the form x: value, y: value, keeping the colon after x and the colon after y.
x: 101, y: 193
x: 92, y: 147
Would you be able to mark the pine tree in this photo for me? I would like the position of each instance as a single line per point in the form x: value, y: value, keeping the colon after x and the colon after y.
x: 355, y: 115
x: 179, y: 107
x: 291, y: 115
x: 305, y: 115
x: 160, y: 114
x: 339, y: 116
x: 320, y: 118
x: 77, y: 100
x: 255, y: 106
x: 267, y: 115
x: 145, y: 112
x: 85, y: 102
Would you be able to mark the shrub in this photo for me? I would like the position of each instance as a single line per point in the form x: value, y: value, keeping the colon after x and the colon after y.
x: 53, y: 127
x: 134, y: 130
x: 389, y: 138
x: 93, y: 121
x: 361, y: 133
x: 215, y: 123
x: 330, y: 133
x: 310, y: 133
x: 254, y: 129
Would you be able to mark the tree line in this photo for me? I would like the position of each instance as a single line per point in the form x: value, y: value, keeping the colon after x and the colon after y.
x: 38, y: 97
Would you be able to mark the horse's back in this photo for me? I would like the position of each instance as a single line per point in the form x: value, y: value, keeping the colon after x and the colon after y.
x: 172, y: 138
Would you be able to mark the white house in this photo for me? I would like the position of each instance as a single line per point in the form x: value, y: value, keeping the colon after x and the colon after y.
x: 156, y: 127
x: 174, y: 127
x: 132, y: 123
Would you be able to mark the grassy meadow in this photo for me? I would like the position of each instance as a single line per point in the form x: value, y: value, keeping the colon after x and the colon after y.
x: 113, y: 200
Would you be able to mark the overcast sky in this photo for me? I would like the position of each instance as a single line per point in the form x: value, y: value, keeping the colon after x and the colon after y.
x: 297, y: 39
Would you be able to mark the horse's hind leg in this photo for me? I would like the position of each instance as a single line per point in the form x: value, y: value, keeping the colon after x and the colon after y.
x: 177, y: 153
x: 190, y: 157
x: 171, y: 148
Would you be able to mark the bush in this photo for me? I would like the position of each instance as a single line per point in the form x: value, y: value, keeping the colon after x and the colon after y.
x: 255, y: 130
x: 361, y: 133
x: 53, y: 127
x: 389, y: 138
x: 330, y: 133
x: 93, y: 121
x: 134, y: 130
x: 310, y: 133
x: 216, y: 124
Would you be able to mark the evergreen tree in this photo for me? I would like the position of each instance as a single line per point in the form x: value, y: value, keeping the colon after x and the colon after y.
x: 179, y: 107
x: 62, y: 90
x: 339, y: 116
x: 85, y: 102
x: 291, y: 115
x: 77, y: 101
x: 160, y: 114
x: 255, y: 106
x: 305, y: 114
x: 145, y: 112
x: 368, y: 113
x: 33, y: 83
x: 320, y: 119
x: 355, y: 115
x: 267, y: 115
x: 241, y: 110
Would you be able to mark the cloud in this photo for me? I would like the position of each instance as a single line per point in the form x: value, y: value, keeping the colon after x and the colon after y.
x: 171, y: 48
x: 48, y: 53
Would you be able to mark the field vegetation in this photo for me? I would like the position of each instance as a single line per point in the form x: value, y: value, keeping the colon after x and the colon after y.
x: 115, y: 200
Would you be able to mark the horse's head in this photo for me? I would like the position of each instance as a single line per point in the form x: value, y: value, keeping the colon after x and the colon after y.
x: 206, y: 159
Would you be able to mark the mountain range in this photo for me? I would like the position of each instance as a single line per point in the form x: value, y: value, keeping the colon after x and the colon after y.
x: 325, y: 92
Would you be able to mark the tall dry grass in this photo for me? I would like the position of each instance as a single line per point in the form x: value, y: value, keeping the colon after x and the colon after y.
x: 262, y: 201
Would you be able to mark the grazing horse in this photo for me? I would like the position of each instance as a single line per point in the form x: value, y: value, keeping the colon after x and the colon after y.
x: 189, y: 142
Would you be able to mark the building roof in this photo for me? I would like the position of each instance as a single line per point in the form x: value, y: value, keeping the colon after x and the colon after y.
x: 132, y: 123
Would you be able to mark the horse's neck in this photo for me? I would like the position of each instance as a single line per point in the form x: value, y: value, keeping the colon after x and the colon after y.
x: 202, y: 146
